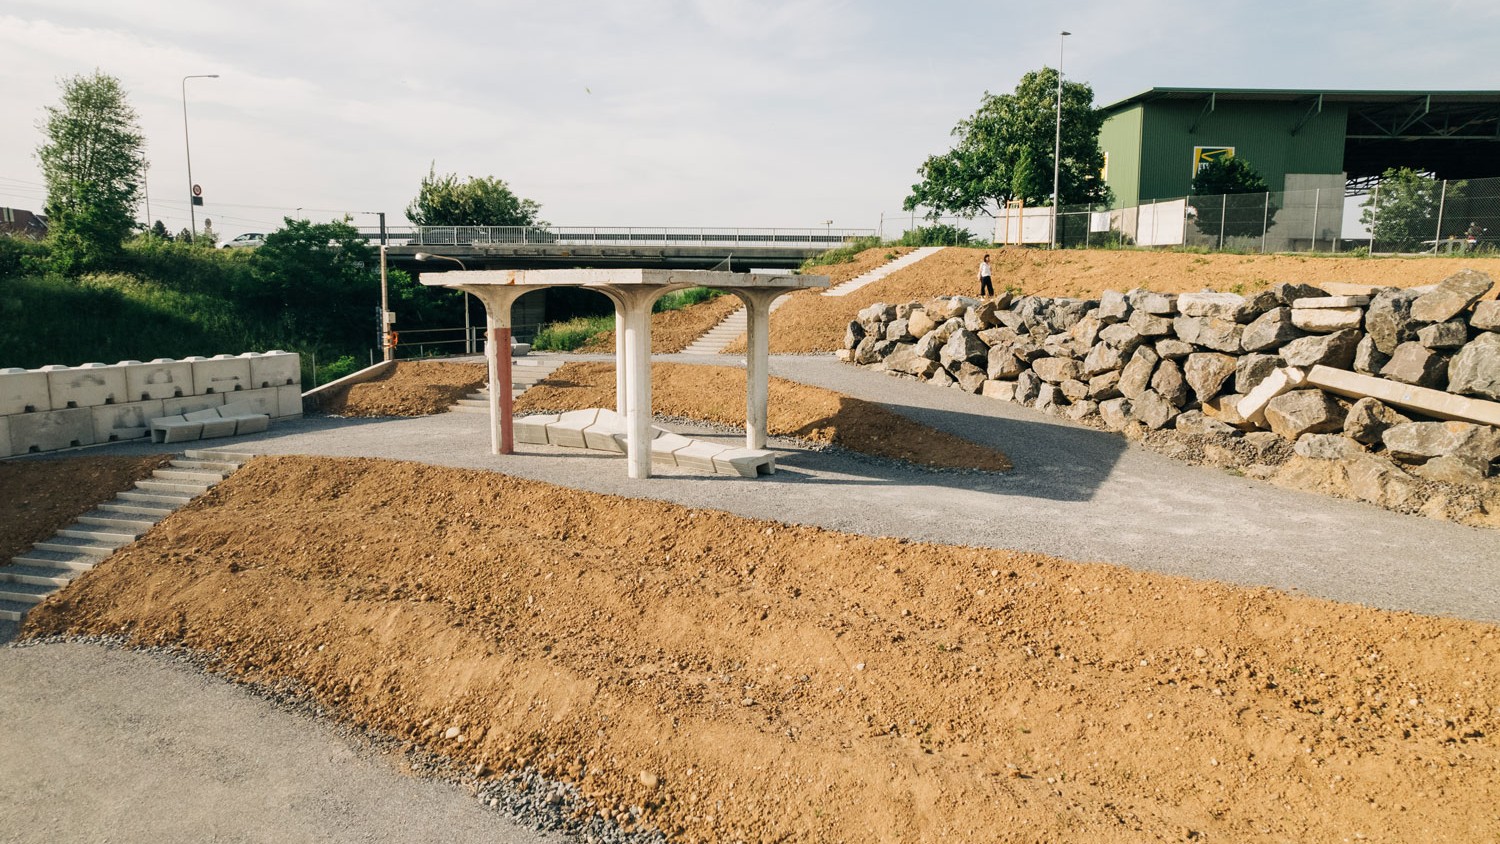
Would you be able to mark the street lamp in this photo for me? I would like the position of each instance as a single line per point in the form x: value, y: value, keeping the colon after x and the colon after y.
x: 192, y: 215
x: 1057, y: 141
x: 427, y: 256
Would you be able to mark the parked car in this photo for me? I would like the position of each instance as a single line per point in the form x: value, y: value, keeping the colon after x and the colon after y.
x: 248, y: 239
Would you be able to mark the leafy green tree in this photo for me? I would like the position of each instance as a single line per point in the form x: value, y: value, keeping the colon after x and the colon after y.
x: 319, y: 281
x: 1216, y: 216
x: 1004, y: 152
x: 1403, y: 211
x: 477, y: 201
x: 159, y: 229
x: 92, y: 161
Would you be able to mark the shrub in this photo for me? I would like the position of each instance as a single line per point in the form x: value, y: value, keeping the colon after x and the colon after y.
x: 843, y: 254
x: 680, y: 299
x: 569, y: 335
x: 22, y: 256
x: 937, y: 234
x: 345, y: 365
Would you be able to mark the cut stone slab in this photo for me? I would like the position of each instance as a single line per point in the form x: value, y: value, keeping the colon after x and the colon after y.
x: 1252, y: 408
x: 1336, y: 349
x: 1304, y: 412
x: 1368, y: 419
x: 532, y: 429
x: 1414, y: 363
x: 1451, y: 296
x: 1253, y: 369
x: 1206, y: 373
x: 1228, y: 306
x: 1428, y: 402
x: 1475, y: 370
x: 1318, y: 302
x: 1270, y: 330
x: 1002, y: 390
x: 1326, y: 320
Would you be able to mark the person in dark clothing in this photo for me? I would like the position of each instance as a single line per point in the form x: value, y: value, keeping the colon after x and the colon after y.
x: 986, y: 287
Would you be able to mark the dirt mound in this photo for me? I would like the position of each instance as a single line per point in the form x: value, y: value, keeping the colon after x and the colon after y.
x: 717, y: 394
x: 809, y: 322
x: 673, y: 331
x: 37, y: 497
x: 410, y: 388
x: 748, y: 680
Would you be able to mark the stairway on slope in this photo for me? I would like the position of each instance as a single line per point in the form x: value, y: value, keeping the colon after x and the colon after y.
x: 883, y: 270
x: 53, y: 563
x: 524, y: 373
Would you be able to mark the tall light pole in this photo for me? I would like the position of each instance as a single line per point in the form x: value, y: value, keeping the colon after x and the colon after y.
x: 192, y: 215
x: 427, y: 256
x: 1057, y: 141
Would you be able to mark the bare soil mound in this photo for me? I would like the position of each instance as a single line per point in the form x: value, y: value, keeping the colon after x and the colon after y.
x: 748, y: 680
x: 673, y: 331
x: 717, y: 394
x: 810, y: 322
x: 410, y: 388
x: 38, y: 497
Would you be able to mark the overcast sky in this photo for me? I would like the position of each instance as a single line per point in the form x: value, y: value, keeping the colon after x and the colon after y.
x: 751, y: 113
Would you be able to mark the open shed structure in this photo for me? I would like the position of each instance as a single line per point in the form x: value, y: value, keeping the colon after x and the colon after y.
x: 1296, y: 139
x: 633, y: 293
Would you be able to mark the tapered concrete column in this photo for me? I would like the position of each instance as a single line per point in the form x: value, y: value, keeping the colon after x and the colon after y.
x: 636, y: 307
x: 497, y: 303
x: 757, y: 362
x: 622, y: 402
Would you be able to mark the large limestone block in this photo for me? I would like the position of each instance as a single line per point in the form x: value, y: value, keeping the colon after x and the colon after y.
x: 1336, y: 349
x: 1475, y: 370
x: 920, y: 322
x: 1327, y: 320
x: 1270, y: 330
x: 1304, y: 412
x: 1153, y: 410
x: 88, y: 385
x: 1451, y: 296
x: 1414, y: 363
x: 1150, y: 325
x: 1136, y: 378
x: 1122, y: 337
x: 969, y: 377
x: 1170, y: 348
x: 1452, y: 334
x: 1206, y: 373
x: 1102, y: 358
x: 1434, y: 403
x: 49, y: 430
x: 963, y: 345
x: 1105, y: 385
x: 1252, y: 408
x: 1002, y: 365
x: 1388, y: 319
x: 1056, y: 370
x: 162, y: 378
x: 1169, y: 383
x: 1228, y: 306
x: 220, y: 374
x: 1001, y: 390
x: 1220, y: 335
x: 1253, y: 369
x: 1162, y: 304
x: 23, y: 391
x: 1486, y: 316
x: 1113, y: 307
x: 1414, y: 442
x: 128, y: 421
x: 1368, y: 419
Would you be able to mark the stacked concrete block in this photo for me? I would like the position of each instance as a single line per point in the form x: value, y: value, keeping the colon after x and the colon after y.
x: 63, y: 407
x: 603, y: 430
x: 1143, y: 358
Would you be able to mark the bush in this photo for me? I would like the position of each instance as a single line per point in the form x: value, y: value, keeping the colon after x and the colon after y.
x: 844, y: 254
x: 345, y: 365
x: 680, y: 299
x: 937, y: 234
x: 22, y: 256
x: 569, y: 335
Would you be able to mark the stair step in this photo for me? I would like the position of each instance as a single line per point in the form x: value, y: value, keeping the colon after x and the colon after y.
x: 138, y: 509
x: 25, y: 593
x: 13, y: 610
x: 38, y: 575
x: 57, y: 560
x: 69, y: 545
x: 98, y: 535
x: 190, y: 490
x: 110, y: 519
x: 192, y: 476
x: 223, y: 466
x: 222, y: 456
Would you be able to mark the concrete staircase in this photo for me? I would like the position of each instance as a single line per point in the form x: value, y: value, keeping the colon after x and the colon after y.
x: 524, y: 373
x: 54, y: 563
x: 883, y: 270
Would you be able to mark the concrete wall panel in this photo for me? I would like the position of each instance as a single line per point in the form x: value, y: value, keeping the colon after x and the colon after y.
x: 274, y: 369
x: 89, y: 385
x: 125, y: 421
x: 23, y: 391
x: 220, y: 374
x: 4, y: 436
x: 162, y: 378
x: 264, y: 401
x: 289, y: 400
x: 51, y: 429
x: 188, y: 404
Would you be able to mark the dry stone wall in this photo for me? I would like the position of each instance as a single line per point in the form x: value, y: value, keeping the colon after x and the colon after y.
x: 1292, y: 360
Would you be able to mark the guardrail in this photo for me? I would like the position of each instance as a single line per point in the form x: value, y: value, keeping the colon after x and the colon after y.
x: 825, y: 238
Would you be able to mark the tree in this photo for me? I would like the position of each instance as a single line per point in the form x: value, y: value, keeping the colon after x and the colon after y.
x: 1226, y: 176
x: 92, y: 161
x: 320, y: 281
x: 448, y: 201
x: 1402, y: 212
x: 159, y: 229
x: 1004, y: 152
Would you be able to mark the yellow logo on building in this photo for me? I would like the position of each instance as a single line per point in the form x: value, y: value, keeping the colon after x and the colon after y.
x: 1203, y: 155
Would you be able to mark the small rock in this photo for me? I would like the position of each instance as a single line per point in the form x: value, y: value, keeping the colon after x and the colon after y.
x: 1027, y: 387
x: 1206, y: 373
x: 1414, y: 363
x: 1082, y: 409
x: 452, y: 733
x: 651, y: 780
x: 1368, y: 419
x: 1288, y: 294
x: 1299, y: 412
x: 1197, y: 422
x: 1486, y: 316
x: 1444, y: 335
x: 1452, y: 295
x: 1074, y: 390
x: 1105, y: 385
x: 1449, y: 470
x: 1326, y: 446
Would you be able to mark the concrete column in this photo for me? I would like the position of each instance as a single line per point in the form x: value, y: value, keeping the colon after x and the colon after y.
x: 498, y: 358
x: 757, y: 363
x: 637, y: 363
x: 622, y: 402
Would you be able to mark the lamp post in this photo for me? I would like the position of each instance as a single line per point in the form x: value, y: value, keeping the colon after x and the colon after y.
x: 1057, y: 139
x: 188, y: 147
x: 427, y: 256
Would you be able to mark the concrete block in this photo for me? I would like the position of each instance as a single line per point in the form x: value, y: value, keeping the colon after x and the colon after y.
x: 745, y: 462
x: 699, y: 455
x: 4, y: 436
x: 1423, y: 400
x: 50, y: 430
x: 220, y: 374
x: 532, y: 429
x: 568, y: 430
x: 175, y: 429
x: 274, y: 369
x: 600, y: 436
x: 246, y: 418
x: 88, y: 385
x: 1326, y: 320
x: 289, y: 400
x: 263, y: 401
x: 188, y: 404
x: 1317, y: 302
x: 1252, y: 408
x: 23, y: 391
x: 162, y: 378
x: 128, y: 421
x: 214, y: 425
x: 664, y: 447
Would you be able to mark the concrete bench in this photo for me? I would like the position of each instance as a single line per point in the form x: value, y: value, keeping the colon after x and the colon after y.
x: 233, y: 419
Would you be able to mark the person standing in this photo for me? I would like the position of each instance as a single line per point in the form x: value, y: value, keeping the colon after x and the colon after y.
x: 986, y: 287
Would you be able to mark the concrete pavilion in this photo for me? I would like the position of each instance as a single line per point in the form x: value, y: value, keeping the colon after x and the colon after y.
x: 633, y: 292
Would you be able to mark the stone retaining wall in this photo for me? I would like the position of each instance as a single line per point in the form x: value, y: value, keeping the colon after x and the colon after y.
x: 68, y: 406
x: 1291, y: 360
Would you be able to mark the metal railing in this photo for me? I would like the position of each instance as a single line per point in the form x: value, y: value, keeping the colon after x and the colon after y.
x: 822, y: 238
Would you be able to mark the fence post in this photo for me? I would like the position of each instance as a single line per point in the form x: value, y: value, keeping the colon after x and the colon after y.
x: 1438, y: 235
x: 1223, y: 218
x: 1312, y: 245
x: 1265, y: 223
x: 1374, y: 216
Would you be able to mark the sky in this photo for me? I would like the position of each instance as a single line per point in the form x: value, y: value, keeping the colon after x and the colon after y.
x: 649, y: 113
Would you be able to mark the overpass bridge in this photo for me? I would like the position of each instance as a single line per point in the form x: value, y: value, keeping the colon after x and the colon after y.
x: 609, y: 247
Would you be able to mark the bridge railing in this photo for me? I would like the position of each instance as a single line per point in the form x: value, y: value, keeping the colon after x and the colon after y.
x: 827, y: 237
